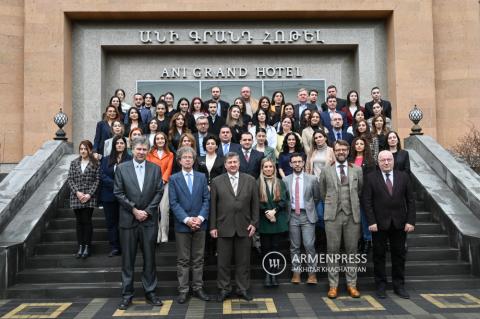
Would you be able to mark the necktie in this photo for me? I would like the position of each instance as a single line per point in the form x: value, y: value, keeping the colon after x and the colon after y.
x: 297, y: 196
x: 140, y: 176
x: 219, y: 109
x: 225, y: 149
x: 339, y: 136
x: 189, y: 182
x: 389, y: 184
x: 247, y: 157
x: 343, y: 176
x: 233, y: 180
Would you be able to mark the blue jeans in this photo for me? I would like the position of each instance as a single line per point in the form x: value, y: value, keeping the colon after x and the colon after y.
x: 366, y: 234
x: 320, y: 211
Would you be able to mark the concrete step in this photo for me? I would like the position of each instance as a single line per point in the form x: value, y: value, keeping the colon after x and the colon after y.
x: 169, y: 288
x: 422, y: 216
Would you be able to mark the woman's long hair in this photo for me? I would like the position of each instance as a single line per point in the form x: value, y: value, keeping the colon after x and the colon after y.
x: 263, y: 185
x: 173, y: 125
x: 367, y: 153
x: 89, y: 147
x: 112, y: 160
x: 230, y: 121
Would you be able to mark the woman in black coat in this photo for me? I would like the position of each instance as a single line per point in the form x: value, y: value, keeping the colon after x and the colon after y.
x: 83, y: 179
x: 108, y: 166
x: 400, y: 157
x: 104, y: 130
x: 211, y: 164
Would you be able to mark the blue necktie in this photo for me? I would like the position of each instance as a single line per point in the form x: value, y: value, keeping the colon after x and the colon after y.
x: 225, y: 149
x: 190, y: 183
x: 339, y: 136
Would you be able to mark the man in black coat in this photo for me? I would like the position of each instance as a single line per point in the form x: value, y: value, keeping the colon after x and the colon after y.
x: 377, y: 98
x: 390, y: 209
x: 222, y: 106
x: 250, y: 159
x: 138, y: 188
x: 215, y: 122
x: 338, y: 131
x: 302, y: 104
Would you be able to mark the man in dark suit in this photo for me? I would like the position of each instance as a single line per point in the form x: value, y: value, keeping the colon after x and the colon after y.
x: 377, y: 98
x: 233, y: 220
x: 326, y: 116
x: 222, y: 106
x: 202, y: 131
x: 138, y: 188
x: 390, y: 209
x: 215, y: 122
x: 337, y: 130
x: 250, y: 159
x: 226, y: 146
x: 313, y: 99
x: 332, y: 92
x: 189, y: 202
x: 302, y: 104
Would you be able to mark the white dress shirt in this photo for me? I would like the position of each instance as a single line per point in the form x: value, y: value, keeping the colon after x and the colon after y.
x: 345, y: 169
x: 140, y: 171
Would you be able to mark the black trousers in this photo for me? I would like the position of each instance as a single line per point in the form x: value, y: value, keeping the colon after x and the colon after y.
x: 130, y: 239
x: 84, y: 225
x: 111, y: 210
x: 397, y: 238
x: 270, y: 242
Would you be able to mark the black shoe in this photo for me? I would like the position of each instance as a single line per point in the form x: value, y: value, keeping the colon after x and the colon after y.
x: 223, y: 295
x: 201, y: 294
x: 80, y: 252
x: 244, y: 295
x: 182, y: 297
x: 381, y: 293
x: 125, y: 303
x: 152, y: 299
x: 274, y: 281
x: 401, y: 292
x: 114, y: 252
x: 268, y: 281
x: 86, y: 252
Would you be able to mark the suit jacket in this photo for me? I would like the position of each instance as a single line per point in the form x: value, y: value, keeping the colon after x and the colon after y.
x: 214, y: 127
x: 345, y: 136
x: 165, y: 162
x: 402, y: 161
x: 218, y: 168
x: 103, y: 132
x: 127, y: 191
x: 185, y: 204
x: 107, y: 176
x: 252, y: 167
x: 327, y: 122
x: 231, y: 214
x: 297, y: 109
x: 387, y: 109
x: 197, y: 140
x: 234, y: 147
x: 223, y: 107
x: 330, y: 190
x: 340, y: 104
x: 86, y: 182
x: 311, y: 195
x: 383, y: 209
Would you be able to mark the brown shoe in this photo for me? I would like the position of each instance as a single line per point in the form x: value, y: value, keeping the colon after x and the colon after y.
x: 332, y: 293
x: 353, y: 292
x: 296, y: 278
x: 312, y: 279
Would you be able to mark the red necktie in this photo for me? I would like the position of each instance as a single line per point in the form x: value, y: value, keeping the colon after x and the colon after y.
x: 297, y: 196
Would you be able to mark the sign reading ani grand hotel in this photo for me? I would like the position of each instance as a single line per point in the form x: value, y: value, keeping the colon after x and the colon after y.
x: 74, y: 54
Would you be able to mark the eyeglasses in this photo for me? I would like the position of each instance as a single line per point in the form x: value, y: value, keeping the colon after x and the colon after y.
x: 386, y: 160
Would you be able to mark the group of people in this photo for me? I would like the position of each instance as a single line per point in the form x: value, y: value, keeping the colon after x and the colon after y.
x: 244, y: 175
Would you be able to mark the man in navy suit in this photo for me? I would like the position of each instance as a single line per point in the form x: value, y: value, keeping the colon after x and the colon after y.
x: 189, y: 202
x: 222, y: 106
x: 338, y: 131
x: 326, y: 116
x: 215, y: 122
x: 226, y: 144
x: 332, y: 92
x: 302, y: 104
x: 250, y: 159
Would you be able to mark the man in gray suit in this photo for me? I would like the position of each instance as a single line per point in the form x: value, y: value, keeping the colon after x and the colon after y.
x: 341, y: 186
x: 234, y: 208
x: 302, y: 216
x: 138, y: 188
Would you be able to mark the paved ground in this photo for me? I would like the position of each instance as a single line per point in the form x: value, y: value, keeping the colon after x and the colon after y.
x: 423, y: 304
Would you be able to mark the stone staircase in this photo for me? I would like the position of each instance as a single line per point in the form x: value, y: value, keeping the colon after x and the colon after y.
x: 54, y: 272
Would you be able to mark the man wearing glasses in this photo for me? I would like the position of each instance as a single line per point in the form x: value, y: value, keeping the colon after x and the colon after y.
x: 390, y: 208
